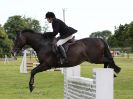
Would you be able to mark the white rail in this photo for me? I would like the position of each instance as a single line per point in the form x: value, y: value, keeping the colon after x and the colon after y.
x: 99, y: 87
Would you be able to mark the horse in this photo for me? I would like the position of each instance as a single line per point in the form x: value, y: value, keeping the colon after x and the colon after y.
x: 93, y: 50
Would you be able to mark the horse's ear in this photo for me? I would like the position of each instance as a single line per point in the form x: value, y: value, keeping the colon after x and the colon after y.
x: 18, y: 34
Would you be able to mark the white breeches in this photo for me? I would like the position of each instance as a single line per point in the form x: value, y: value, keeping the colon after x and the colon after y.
x: 62, y: 41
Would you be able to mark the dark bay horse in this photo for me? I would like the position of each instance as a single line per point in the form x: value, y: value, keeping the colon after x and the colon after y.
x: 93, y: 50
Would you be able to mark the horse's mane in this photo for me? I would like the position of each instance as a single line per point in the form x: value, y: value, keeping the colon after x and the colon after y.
x: 27, y: 30
x: 37, y: 34
x: 31, y: 31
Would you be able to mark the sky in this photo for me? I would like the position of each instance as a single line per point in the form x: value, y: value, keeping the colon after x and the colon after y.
x: 86, y: 16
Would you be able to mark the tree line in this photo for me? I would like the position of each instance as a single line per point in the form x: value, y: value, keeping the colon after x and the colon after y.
x: 13, y: 25
x: 121, y: 38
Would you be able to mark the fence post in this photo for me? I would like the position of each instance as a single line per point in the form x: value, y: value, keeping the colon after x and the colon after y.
x: 23, y: 66
x: 104, y: 82
x: 70, y: 72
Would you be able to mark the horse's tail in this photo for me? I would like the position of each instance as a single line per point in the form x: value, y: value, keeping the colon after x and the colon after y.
x: 108, y: 55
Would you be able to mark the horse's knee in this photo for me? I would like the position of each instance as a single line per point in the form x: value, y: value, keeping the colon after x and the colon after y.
x: 36, y: 70
x: 33, y: 72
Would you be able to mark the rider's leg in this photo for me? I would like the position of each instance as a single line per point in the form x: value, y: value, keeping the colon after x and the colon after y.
x: 61, y: 50
x: 63, y: 55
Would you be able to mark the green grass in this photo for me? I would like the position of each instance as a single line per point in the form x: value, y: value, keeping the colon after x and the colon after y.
x: 49, y: 84
x: 123, y: 84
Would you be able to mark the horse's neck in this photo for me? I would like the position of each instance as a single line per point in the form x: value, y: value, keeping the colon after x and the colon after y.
x: 38, y: 42
x: 35, y: 42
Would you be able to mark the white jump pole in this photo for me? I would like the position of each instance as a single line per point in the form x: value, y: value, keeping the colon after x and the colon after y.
x: 23, y: 66
x: 104, y: 80
x: 102, y: 84
x: 72, y: 71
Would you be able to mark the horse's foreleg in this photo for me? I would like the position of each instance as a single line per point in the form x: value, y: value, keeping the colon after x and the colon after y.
x: 37, y: 69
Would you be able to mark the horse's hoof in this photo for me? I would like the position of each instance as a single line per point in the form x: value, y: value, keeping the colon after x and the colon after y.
x: 31, y: 87
x: 115, y: 75
x: 117, y: 70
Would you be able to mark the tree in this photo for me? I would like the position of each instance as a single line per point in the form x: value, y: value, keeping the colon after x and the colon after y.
x: 121, y: 36
x: 5, y: 43
x: 130, y: 35
x: 17, y: 23
x: 45, y: 28
x: 95, y: 34
x: 103, y: 34
x: 33, y: 24
x: 112, y: 41
x: 14, y: 24
x: 130, y: 32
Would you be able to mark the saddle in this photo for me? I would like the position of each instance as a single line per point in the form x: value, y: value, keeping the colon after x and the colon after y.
x: 69, y: 43
x: 65, y: 45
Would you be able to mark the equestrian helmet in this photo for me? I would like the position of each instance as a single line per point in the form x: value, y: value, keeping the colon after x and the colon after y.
x: 50, y: 15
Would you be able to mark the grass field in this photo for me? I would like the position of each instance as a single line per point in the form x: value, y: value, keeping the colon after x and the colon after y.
x: 49, y: 84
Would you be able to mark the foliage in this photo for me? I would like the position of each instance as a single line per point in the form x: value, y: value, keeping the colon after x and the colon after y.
x: 130, y: 33
x: 33, y: 24
x: 121, y: 36
x: 17, y: 23
x: 103, y: 34
x: 50, y: 84
x: 5, y: 43
x: 45, y: 28
x: 13, y: 25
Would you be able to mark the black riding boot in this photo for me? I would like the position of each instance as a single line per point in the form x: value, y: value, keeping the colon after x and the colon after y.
x: 63, y: 56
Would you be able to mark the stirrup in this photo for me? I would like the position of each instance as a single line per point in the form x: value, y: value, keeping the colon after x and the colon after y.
x: 62, y: 51
x: 62, y: 61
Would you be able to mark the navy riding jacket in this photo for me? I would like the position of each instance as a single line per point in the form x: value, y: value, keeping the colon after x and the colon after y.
x: 60, y: 27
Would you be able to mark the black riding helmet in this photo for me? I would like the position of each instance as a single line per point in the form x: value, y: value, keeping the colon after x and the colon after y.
x: 50, y: 15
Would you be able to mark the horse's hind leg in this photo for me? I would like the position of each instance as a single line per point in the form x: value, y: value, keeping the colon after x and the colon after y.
x: 37, y: 69
x: 109, y: 57
x: 106, y: 64
x: 115, y: 67
x: 109, y: 62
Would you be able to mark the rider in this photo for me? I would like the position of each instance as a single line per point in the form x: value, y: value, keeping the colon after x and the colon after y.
x: 65, y: 32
